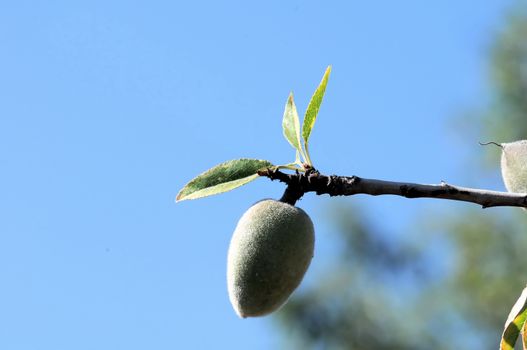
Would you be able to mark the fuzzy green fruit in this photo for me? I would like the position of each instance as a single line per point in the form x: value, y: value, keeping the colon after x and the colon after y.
x: 270, y: 251
x: 514, y: 166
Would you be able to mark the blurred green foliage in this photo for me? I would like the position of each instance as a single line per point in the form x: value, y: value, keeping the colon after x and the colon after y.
x: 449, y: 289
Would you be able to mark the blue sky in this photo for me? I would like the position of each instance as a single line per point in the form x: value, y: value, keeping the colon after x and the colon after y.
x: 109, y: 108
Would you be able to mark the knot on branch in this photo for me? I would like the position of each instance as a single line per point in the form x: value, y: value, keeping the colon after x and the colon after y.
x: 297, y: 185
x: 300, y: 183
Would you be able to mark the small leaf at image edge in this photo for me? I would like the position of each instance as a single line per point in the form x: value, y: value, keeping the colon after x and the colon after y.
x: 515, y: 322
x: 222, y: 178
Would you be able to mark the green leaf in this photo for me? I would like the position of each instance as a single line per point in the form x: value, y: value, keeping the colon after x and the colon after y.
x: 291, y: 124
x: 222, y: 178
x: 314, y: 106
x: 515, y: 323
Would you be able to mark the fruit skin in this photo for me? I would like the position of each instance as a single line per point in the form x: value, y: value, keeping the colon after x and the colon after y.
x: 514, y: 166
x: 270, y: 251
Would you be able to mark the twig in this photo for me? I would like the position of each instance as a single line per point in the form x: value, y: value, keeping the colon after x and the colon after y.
x: 313, y: 181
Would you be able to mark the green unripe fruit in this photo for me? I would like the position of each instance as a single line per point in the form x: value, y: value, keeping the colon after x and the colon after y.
x: 270, y: 251
x: 514, y: 166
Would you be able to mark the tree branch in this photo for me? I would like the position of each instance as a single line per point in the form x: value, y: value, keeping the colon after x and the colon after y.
x: 313, y: 181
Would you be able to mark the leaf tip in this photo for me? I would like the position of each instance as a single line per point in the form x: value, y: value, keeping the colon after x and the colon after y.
x: 327, y: 72
x: 179, y: 198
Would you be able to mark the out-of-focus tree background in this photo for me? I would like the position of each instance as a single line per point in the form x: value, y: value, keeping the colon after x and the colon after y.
x: 448, y: 281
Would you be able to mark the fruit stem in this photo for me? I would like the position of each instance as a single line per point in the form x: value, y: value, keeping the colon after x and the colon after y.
x: 291, y: 195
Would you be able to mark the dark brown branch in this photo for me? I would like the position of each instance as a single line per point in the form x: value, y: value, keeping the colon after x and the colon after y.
x: 313, y: 181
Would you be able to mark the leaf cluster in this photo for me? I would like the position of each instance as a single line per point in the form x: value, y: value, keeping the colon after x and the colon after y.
x: 235, y: 173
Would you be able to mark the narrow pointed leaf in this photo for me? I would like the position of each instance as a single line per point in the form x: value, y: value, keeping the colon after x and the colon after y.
x: 222, y: 178
x: 515, y: 323
x: 314, y: 106
x: 291, y: 124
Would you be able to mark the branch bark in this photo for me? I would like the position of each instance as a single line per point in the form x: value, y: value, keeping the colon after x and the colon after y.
x: 313, y: 181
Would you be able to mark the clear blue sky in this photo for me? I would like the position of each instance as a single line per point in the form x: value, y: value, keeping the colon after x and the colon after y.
x: 108, y: 108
